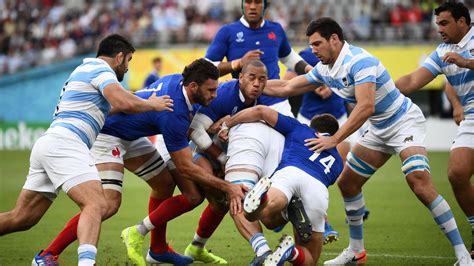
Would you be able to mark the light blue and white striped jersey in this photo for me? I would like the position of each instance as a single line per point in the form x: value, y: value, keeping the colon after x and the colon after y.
x: 355, y: 66
x: 82, y: 108
x: 462, y: 79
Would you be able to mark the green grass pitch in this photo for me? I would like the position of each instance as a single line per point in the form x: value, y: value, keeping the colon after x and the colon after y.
x: 400, y: 230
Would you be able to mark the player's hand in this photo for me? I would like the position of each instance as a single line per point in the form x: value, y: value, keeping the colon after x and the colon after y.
x: 458, y: 115
x: 223, y: 133
x: 321, y: 143
x: 323, y: 91
x: 254, y: 54
x: 454, y: 58
x: 161, y: 103
x: 214, y: 128
x: 235, y: 195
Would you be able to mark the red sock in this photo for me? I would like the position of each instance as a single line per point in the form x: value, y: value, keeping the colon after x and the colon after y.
x: 158, y: 235
x: 64, y: 238
x: 297, y: 256
x: 208, y: 222
x: 166, y: 211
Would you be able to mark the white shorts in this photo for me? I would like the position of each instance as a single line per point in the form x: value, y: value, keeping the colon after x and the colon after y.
x: 352, y: 139
x: 465, y: 136
x: 255, y: 146
x: 59, y: 159
x: 110, y: 149
x: 293, y: 181
x: 283, y: 107
x: 408, y: 131
x: 163, y: 151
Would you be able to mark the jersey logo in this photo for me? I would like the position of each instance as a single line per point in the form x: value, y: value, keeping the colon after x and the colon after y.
x: 345, y: 81
x: 116, y: 152
x: 471, y: 52
x: 407, y: 139
x: 240, y: 37
x: 272, y: 36
x: 234, y: 110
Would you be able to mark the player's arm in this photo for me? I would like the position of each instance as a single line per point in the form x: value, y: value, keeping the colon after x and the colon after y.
x: 286, y: 88
x: 236, y: 64
x: 294, y: 61
x: 414, y: 81
x: 184, y: 163
x: 365, y: 107
x: 198, y: 134
x: 458, y: 110
x: 122, y: 100
x: 256, y: 113
x: 455, y: 58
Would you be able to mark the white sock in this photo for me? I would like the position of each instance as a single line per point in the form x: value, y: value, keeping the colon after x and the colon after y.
x: 87, y: 254
x: 145, y: 226
x: 199, y: 241
x: 259, y: 244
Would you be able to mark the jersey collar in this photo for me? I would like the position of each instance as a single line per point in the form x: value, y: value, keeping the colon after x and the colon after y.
x: 465, y: 40
x: 188, y: 102
x: 340, y: 58
x: 246, y: 24
x: 90, y: 59
x: 241, y: 96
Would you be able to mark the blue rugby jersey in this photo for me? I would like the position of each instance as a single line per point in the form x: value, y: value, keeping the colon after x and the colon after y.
x: 356, y: 66
x: 82, y: 108
x: 172, y: 125
x: 312, y: 103
x: 234, y: 40
x: 462, y: 79
x: 229, y: 101
x: 325, y: 166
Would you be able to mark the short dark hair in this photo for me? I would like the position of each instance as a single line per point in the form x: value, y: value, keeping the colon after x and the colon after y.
x: 199, y: 71
x: 252, y: 62
x: 113, y: 44
x: 157, y: 59
x: 457, y: 10
x: 325, y: 27
x: 325, y: 123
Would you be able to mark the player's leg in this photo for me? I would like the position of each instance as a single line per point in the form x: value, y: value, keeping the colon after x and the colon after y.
x: 144, y: 161
x: 408, y: 142
x: 251, y: 231
x: 29, y: 208
x: 210, y: 218
x: 36, y: 196
x: 417, y: 173
x: 460, y: 171
x: 361, y: 164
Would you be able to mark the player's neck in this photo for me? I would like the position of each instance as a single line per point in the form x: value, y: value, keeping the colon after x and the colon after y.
x: 255, y: 25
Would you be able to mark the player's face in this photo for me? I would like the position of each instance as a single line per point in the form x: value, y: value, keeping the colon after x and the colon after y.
x: 449, y: 29
x: 323, y: 49
x: 253, y: 81
x: 122, y: 66
x: 253, y: 10
x: 205, y: 93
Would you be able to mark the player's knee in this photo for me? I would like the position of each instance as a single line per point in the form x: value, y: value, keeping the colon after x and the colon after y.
x: 458, y: 176
x: 112, y: 208
x: 194, y: 198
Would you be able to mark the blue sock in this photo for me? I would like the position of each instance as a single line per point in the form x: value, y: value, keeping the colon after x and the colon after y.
x: 443, y: 216
x: 259, y: 244
x: 87, y: 254
x: 355, y: 208
x: 470, y: 219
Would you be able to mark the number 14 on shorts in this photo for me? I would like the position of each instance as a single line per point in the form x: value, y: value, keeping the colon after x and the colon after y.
x: 327, y: 161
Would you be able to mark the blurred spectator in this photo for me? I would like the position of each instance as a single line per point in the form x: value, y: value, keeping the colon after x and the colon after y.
x: 37, y: 32
x: 155, y: 74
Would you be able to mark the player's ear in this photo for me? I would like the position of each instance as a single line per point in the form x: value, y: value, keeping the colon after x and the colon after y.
x: 194, y: 86
x: 119, y: 58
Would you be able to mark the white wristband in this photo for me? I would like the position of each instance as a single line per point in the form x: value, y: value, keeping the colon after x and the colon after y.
x: 222, y: 158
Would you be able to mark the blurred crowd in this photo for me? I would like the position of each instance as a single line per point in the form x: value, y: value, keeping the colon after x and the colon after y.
x: 39, y: 32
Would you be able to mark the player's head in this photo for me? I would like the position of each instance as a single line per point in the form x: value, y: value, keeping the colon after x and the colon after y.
x: 252, y: 79
x: 157, y: 63
x: 120, y: 50
x: 325, y: 123
x: 453, y: 21
x: 253, y: 10
x: 326, y: 39
x: 201, y: 78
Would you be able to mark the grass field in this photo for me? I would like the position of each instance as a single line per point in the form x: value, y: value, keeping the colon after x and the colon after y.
x: 400, y: 230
